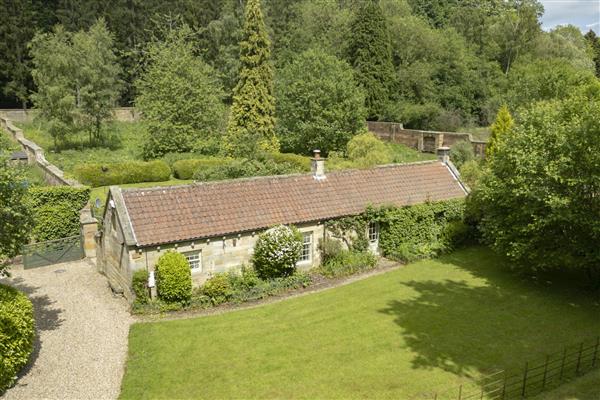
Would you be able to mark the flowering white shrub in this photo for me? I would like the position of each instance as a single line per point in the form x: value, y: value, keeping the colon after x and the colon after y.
x: 276, y: 252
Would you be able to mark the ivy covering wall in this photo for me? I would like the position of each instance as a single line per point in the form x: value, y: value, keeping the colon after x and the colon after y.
x: 422, y: 230
x: 56, y: 210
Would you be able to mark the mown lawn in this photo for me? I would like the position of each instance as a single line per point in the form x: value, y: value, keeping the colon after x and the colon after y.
x: 586, y: 387
x: 431, y: 324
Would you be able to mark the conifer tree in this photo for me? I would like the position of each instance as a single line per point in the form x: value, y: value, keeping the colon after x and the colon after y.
x: 369, y: 52
x: 503, y: 124
x: 594, y: 44
x: 251, y: 126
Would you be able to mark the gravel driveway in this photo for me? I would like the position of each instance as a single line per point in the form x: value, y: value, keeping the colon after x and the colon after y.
x: 82, y: 330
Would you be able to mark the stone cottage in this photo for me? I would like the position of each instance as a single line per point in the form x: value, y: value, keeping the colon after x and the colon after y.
x: 216, y: 224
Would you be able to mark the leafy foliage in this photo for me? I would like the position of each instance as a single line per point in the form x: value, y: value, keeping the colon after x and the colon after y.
x: 251, y: 126
x: 367, y: 150
x: 347, y: 262
x: 180, y: 98
x: 173, y: 278
x: 15, y: 216
x: 243, y: 167
x: 139, y: 285
x: 17, y: 332
x: 186, y: 169
x: 319, y: 105
x: 276, y: 252
x: 126, y: 172
x: 369, y: 52
x: 418, y: 231
x: 461, y: 153
x: 55, y: 210
x: 77, y: 80
x: 501, y: 127
x: 539, y: 201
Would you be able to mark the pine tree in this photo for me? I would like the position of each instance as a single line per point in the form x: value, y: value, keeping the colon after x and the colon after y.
x: 369, y: 52
x: 251, y: 126
x: 503, y: 124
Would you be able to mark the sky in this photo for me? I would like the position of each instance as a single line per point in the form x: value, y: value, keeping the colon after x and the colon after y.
x: 584, y: 14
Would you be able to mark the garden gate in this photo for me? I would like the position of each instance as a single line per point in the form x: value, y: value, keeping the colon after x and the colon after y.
x: 53, y: 252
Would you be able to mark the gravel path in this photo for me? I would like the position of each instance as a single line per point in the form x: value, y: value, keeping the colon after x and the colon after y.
x: 82, y: 330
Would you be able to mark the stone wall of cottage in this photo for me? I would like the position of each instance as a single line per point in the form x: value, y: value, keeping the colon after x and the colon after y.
x: 221, y: 254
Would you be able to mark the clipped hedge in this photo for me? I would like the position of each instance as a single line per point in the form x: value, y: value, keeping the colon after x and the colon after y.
x: 186, y: 169
x: 17, y: 332
x: 173, y: 278
x: 295, y: 161
x: 419, y: 231
x: 55, y: 210
x: 125, y: 172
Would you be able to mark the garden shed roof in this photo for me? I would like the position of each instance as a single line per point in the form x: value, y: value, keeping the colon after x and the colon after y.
x: 213, y: 209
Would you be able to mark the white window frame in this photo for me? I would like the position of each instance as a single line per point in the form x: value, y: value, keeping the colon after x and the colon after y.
x: 306, y: 254
x: 190, y: 256
x: 373, y: 232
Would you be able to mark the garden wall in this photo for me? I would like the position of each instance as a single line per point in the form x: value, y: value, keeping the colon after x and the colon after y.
x: 424, y: 141
x: 35, y: 155
x: 125, y: 114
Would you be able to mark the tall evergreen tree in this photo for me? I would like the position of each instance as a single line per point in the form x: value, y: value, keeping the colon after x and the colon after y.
x: 369, y: 52
x: 251, y: 125
x: 502, y: 126
x: 594, y: 43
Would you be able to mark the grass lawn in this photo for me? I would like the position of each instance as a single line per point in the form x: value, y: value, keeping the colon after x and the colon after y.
x: 127, y: 145
x: 586, y: 387
x: 431, y: 324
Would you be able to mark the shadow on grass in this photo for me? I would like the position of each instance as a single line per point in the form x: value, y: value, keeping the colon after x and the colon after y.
x: 494, y: 318
x: 47, y: 317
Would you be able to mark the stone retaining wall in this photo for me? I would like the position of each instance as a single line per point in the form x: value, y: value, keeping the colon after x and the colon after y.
x: 424, y: 141
x: 125, y: 114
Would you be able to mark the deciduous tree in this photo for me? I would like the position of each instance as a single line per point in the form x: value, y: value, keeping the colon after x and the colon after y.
x: 500, y: 128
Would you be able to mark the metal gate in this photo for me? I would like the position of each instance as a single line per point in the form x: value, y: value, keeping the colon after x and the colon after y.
x: 53, y: 252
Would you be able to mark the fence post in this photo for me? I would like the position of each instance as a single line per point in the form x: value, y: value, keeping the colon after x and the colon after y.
x: 596, y: 351
x: 545, y: 372
x: 525, y: 379
x: 579, y: 358
x: 562, y: 365
x: 460, y: 392
x: 504, y: 385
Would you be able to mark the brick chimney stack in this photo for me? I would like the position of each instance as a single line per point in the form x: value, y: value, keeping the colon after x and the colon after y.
x: 318, y: 165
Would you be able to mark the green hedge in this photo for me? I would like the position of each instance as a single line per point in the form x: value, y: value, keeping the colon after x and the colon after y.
x: 17, y: 331
x: 185, y: 169
x: 125, y: 172
x: 294, y: 161
x: 173, y: 278
x: 422, y: 230
x: 55, y: 210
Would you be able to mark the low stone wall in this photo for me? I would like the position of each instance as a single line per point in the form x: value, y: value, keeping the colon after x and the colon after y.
x: 35, y: 155
x: 125, y: 114
x: 54, y: 177
x: 424, y: 141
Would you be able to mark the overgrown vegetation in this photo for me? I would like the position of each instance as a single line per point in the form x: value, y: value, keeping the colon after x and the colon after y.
x: 55, y: 210
x: 17, y: 332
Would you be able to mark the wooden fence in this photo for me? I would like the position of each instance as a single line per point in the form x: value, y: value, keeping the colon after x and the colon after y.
x: 536, y: 377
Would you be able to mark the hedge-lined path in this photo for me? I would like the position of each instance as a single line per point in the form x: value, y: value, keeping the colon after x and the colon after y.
x: 82, y: 331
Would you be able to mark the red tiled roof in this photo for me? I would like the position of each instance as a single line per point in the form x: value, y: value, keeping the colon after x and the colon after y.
x: 201, y: 210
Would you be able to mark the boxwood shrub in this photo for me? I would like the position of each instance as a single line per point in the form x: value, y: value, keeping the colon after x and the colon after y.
x: 186, y: 169
x: 295, y: 162
x: 125, y: 172
x: 55, y: 210
x: 173, y: 278
x: 17, y: 331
